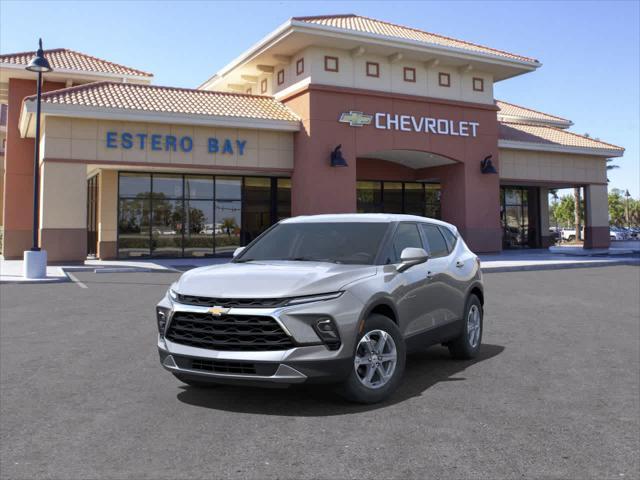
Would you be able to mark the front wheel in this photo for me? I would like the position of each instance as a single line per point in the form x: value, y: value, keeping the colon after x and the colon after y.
x: 467, y: 345
x: 378, y: 362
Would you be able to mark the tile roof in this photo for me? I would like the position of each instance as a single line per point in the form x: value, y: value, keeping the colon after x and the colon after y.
x: 370, y: 25
x: 65, y: 59
x: 512, y: 110
x: 544, y: 135
x: 152, y: 98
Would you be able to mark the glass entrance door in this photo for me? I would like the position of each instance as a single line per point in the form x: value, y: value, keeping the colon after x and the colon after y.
x: 92, y: 216
x: 519, y: 217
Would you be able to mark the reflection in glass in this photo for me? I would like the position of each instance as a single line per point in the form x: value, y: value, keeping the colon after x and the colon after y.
x: 133, y: 227
x: 199, y: 228
x: 432, y: 198
x: 134, y: 184
x: 169, y: 186
x: 256, y: 217
x: 392, y: 197
x: 228, y: 217
x: 229, y: 188
x: 414, y: 199
x: 198, y: 188
x: 167, y: 221
x: 369, y: 196
x: 283, y: 207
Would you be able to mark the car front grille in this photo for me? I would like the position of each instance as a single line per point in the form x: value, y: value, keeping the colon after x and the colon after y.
x: 232, y: 302
x: 223, y: 367
x: 227, y: 332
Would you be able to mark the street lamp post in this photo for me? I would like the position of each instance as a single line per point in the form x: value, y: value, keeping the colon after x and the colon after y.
x: 626, y: 208
x: 35, y: 260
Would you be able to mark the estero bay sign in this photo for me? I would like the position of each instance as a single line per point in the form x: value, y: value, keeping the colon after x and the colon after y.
x: 411, y: 123
x: 171, y: 143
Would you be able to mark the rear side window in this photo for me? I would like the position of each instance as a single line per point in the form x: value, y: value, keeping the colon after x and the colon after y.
x: 449, y: 237
x: 407, y: 235
x: 437, y: 244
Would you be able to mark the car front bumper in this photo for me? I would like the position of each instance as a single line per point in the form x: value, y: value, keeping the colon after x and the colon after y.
x: 310, y: 360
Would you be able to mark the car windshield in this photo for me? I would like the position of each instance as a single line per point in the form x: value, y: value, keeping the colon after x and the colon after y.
x: 339, y: 242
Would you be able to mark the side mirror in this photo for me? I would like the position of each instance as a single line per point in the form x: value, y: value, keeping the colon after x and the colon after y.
x: 410, y: 257
x: 238, y: 251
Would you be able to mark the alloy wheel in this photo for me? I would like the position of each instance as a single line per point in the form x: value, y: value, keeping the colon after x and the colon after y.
x: 376, y: 359
x: 473, y: 326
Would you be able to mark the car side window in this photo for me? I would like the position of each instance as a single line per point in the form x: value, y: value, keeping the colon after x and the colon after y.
x: 437, y: 244
x: 407, y: 235
x: 449, y: 237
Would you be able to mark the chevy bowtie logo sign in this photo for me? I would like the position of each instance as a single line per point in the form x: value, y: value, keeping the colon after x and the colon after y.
x: 355, y: 119
x: 218, y: 311
x: 411, y: 123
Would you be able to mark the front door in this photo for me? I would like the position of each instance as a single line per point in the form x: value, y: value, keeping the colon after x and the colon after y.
x: 92, y: 216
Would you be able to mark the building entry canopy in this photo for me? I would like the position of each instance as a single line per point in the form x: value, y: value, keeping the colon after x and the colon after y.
x: 410, y: 158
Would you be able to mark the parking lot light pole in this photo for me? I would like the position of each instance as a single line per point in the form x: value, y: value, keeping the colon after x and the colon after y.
x: 626, y: 208
x: 35, y: 260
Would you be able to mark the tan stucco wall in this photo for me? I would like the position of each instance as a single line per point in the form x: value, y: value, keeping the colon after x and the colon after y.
x: 352, y: 74
x: 552, y: 167
x: 63, y: 195
x: 597, y: 211
x: 80, y: 139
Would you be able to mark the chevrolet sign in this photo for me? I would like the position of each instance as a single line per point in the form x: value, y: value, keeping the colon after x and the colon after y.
x: 410, y: 123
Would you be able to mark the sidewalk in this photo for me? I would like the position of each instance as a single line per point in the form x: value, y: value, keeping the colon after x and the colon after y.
x: 506, y: 261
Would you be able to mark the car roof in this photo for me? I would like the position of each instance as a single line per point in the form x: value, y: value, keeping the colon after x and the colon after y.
x: 365, y: 218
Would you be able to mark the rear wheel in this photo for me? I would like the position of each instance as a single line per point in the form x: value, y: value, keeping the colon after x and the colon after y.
x: 192, y: 382
x: 378, y: 362
x: 467, y: 345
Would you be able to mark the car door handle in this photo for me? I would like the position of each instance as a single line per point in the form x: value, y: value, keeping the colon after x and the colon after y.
x: 459, y: 264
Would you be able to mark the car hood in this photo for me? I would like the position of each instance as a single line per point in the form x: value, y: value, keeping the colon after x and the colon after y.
x: 273, y: 279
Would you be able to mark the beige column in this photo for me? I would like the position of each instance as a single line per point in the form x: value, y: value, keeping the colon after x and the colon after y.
x: 107, y: 214
x: 596, y: 216
x: 546, y: 239
x: 63, y: 211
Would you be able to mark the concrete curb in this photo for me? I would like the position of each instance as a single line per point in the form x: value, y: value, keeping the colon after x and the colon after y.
x: 561, y: 266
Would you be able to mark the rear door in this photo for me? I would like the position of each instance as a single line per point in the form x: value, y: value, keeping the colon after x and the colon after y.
x: 444, y: 289
x: 412, y: 285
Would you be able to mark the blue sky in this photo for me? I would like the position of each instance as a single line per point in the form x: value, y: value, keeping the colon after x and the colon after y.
x: 589, y: 50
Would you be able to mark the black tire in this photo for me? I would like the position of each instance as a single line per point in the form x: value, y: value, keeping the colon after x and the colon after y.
x: 352, y: 388
x: 461, y: 347
x: 571, y: 238
x: 192, y: 382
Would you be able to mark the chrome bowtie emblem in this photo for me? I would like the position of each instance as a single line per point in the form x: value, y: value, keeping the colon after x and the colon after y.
x: 355, y: 119
x: 217, y: 311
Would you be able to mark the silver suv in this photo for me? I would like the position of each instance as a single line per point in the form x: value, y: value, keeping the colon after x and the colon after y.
x: 328, y: 298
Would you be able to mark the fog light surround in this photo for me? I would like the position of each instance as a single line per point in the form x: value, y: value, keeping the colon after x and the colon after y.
x: 326, y: 329
x: 162, y: 317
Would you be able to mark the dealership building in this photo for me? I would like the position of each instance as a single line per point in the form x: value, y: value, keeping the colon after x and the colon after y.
x: 326, y: 114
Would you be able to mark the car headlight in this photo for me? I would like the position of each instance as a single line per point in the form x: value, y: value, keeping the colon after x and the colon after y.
x: 173, y: 295
x: 314, y: 298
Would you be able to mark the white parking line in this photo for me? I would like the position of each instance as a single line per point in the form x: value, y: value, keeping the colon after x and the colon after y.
x: 75, y: 280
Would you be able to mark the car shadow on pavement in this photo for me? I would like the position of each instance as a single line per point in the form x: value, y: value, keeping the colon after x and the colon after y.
x: 424, y: 369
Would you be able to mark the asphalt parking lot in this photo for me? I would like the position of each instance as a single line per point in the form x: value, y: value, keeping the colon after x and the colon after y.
x: 554, y: 394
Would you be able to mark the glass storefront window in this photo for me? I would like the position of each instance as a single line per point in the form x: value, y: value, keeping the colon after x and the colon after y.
x: 199, y: 227
x: 174, y: 215
x: 411, y: 198
x: 392, y: 197
x: 414, y: 199
x: 133, y: 227
x: 519, y: 219
x: 257, y: 212
x: 369, y: 197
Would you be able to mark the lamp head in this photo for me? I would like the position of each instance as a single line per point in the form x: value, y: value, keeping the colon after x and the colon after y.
x: 337, y: 160
x: 39, y: 62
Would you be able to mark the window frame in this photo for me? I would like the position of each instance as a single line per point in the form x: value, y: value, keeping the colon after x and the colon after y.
x: 441, y: 82
x: 377, y: 67
x: 480, y: 82
x: 280, y: 76
x: 327, y: 59
x: 263, y: 85
x: 407, y: 70
x: 300, y: 66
